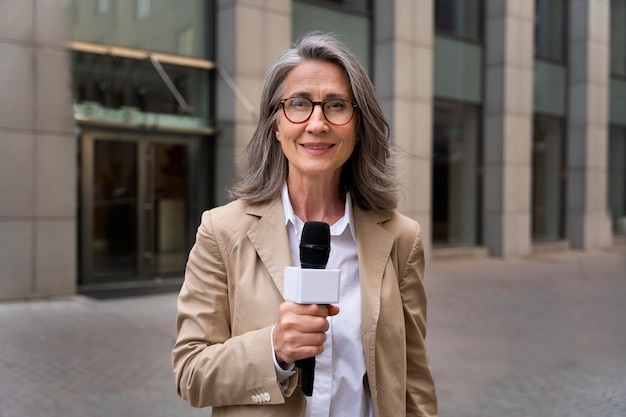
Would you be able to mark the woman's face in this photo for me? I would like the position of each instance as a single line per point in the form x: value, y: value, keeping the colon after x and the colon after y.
x: 316, y: 148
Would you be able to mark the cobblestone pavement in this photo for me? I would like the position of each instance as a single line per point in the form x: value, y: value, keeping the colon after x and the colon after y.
x: 543, y: 336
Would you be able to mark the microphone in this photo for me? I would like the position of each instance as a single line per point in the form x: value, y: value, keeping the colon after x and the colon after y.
x: 312, y: 283
x: 315, y: 245
x: 314, y: 252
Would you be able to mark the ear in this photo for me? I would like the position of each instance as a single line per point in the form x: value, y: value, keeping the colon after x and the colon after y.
x: 277, y: 130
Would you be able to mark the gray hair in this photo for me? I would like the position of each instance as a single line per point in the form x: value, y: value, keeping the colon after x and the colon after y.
x: 369, y: 173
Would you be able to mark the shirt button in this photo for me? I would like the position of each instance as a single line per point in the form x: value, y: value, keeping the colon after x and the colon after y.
x: 266, y: 396
x: 255, y: 399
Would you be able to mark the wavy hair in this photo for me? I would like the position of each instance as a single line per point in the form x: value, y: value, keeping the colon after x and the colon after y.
x: 369, y: 173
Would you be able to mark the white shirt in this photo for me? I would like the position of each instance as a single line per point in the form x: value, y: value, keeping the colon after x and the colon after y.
x: 340, y: 386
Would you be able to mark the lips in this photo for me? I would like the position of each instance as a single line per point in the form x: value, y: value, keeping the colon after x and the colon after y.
x: 317, y: 146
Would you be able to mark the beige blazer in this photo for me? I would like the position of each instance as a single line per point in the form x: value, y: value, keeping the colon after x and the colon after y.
x: 229, y: 302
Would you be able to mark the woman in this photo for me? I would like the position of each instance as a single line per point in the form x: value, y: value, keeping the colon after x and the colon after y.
x: 321, y: 152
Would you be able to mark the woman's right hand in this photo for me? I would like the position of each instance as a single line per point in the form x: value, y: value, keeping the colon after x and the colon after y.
x: 301, y: 330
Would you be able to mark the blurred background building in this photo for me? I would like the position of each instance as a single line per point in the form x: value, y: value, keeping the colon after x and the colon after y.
x: 122, y: 120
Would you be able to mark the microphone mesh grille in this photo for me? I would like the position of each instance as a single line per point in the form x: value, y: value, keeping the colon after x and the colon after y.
x: 315, y: 245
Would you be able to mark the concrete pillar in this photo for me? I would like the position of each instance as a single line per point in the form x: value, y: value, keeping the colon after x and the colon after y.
x: 403, y: 75
x: 251, y: 34
x: 588, y: 223
x: 508, y: 110
x: 37, y: 152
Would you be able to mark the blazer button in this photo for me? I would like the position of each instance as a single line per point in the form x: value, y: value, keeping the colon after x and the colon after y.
x: 261, y: 398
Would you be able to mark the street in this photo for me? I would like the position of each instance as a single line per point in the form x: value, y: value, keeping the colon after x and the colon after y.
x: 543, y: 336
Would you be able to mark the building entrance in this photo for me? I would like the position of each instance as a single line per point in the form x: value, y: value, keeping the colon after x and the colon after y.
x: 135, y: 207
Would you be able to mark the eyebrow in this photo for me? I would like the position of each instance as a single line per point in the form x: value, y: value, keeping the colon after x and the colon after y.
x: 329, y: 96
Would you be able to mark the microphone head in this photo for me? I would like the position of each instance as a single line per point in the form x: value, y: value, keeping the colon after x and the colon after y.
x: 315, y: 245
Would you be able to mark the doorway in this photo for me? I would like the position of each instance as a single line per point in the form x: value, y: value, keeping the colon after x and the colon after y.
x: 137, y: 191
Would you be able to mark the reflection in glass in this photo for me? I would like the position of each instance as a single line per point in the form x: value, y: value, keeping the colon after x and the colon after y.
x: 167, y: 194
x: 142, y: 9
x: 617, y: 178
x: 140, y: 210
x: 103, y: 6
x: 141, y: 24
x: 132, y: 91
x: 455, y: 179
x: 114, y: 248
x: 547, y: 188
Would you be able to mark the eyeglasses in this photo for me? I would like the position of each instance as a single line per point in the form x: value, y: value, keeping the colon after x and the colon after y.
x: 337, y: 111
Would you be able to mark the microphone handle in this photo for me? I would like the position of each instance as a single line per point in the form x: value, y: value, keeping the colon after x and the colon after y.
x: 307, y: 372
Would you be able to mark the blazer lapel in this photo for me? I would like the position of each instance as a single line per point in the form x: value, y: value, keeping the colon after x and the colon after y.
x: 374, y: 245
x: 269, y: 238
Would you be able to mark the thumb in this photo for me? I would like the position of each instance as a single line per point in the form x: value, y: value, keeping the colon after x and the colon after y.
x: 333, y: 310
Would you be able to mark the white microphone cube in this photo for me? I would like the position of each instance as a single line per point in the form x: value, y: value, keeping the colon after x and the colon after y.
x: 312, y: 286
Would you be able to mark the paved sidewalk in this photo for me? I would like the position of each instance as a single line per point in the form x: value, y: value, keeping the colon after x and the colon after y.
x: 543, y: 336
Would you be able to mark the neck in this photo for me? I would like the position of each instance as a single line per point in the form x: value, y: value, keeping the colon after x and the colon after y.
x: 315, y: 201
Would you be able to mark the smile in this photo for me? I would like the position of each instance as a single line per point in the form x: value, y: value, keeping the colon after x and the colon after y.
x: 317, y: 147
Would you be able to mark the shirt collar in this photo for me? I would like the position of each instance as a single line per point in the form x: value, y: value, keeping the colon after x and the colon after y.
x: 335, y: 230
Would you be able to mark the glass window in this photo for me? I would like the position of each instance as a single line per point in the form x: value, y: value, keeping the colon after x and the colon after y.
x: 115, y: 200
x: 549, y: 88
x: 131, y: 91
x: 140, y: 24
x: 618, y: 37
x: 356, y: 4
x: 458, y: 68
x: 550, y: 29
x: 103, y: 6
x: 350, y: 25
x: 455, y: 179
x: 547, y: 187
x: 185, y: 41
x: 142, y: 9
x: 617, y: 97
x: 460, y: 17
x: 617, y: 178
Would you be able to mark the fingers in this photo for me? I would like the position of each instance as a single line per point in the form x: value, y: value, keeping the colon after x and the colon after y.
x: 300, y: 332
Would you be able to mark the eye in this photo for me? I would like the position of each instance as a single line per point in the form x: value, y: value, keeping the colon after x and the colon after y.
x: 336, y: 105
x: 299, y: 103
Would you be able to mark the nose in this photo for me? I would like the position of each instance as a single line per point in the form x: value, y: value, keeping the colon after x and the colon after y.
x: 317, y: 121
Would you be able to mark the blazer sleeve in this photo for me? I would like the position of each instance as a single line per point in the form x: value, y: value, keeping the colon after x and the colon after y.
x: 211, y: 366
x: 421, y: 395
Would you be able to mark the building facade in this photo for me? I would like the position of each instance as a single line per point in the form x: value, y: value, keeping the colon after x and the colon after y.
x: 121, y: 121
